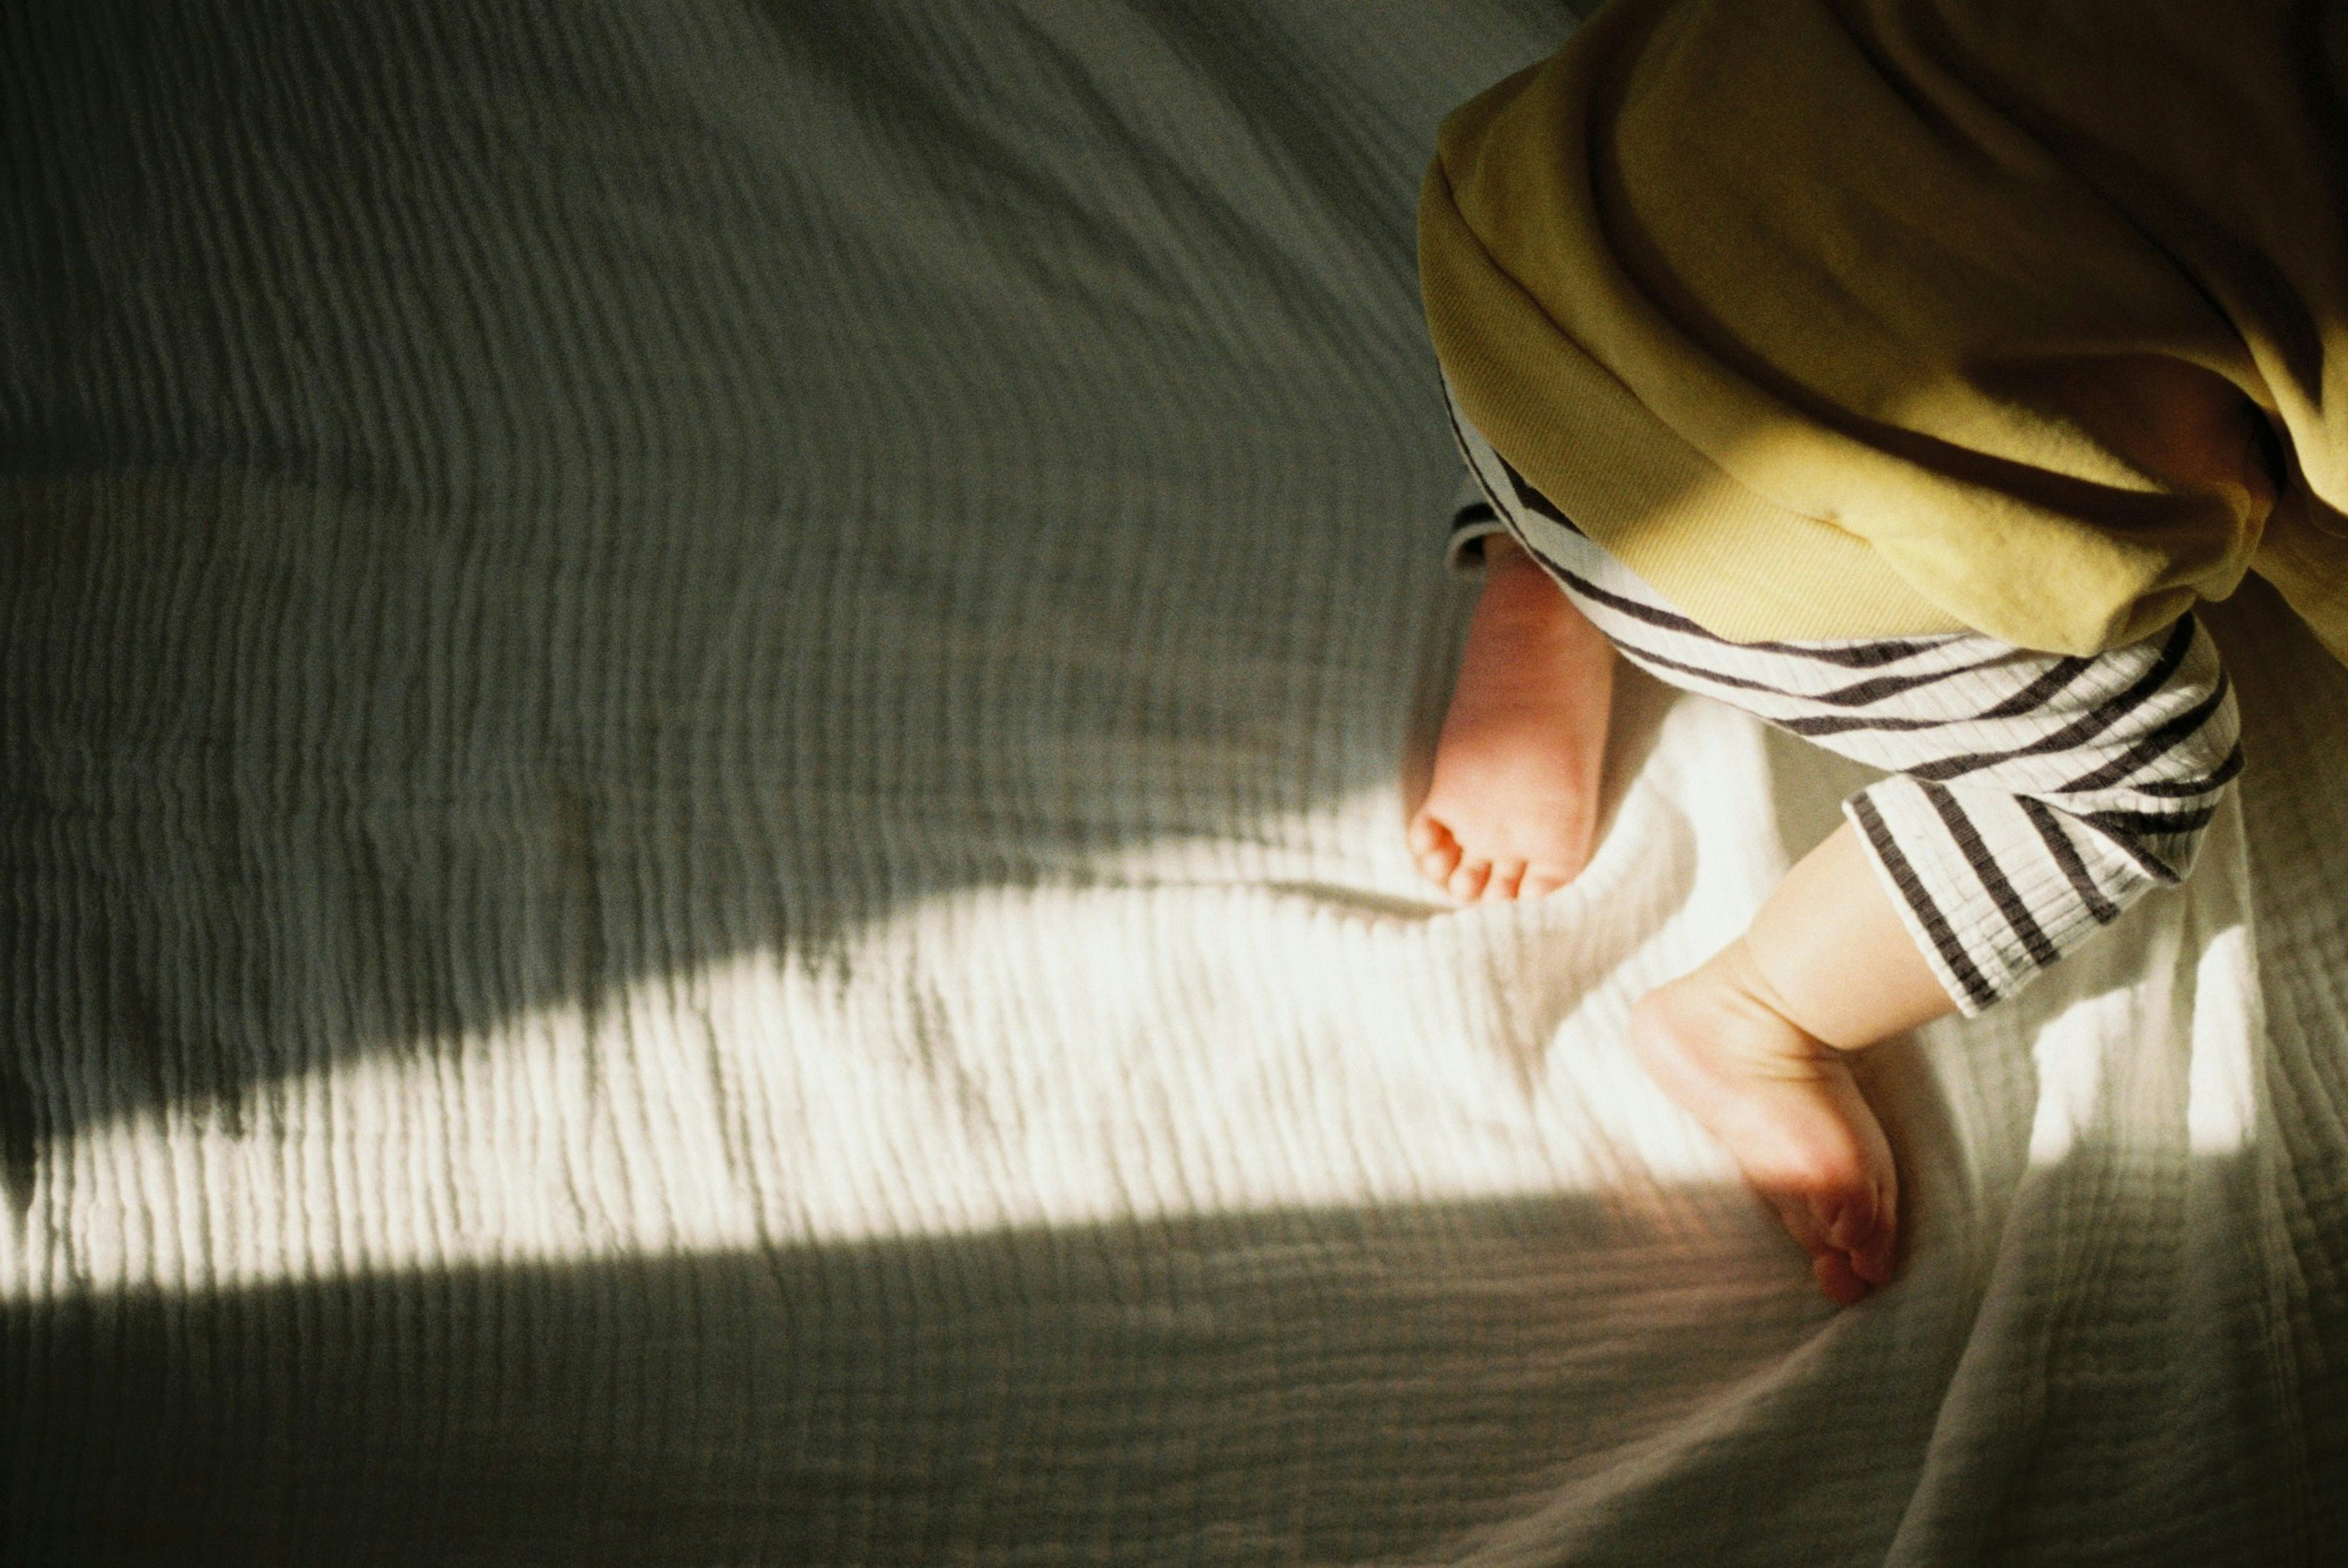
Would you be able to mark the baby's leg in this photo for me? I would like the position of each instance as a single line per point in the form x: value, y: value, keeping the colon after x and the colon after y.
x: 1513, y: 804
x: 1753, y: 1044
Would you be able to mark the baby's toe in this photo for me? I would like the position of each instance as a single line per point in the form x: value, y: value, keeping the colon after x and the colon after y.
x: 1859, y: 1229
x: 1842, y: 1285
x: 1874, y: 1256
x: 1506, y: 875
x: 1848, y: 1219
x: 1436, y: 851
x: 1425, y: 835
x: 1467, y: 883
x: 1819, y: 1227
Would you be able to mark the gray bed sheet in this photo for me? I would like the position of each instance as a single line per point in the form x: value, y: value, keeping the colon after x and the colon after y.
x: 705, y: 713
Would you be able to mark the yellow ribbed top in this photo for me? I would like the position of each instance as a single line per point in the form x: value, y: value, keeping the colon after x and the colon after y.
x: 1840, y: 320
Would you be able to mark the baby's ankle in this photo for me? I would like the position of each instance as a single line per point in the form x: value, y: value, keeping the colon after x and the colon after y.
x: 1728, y: 1005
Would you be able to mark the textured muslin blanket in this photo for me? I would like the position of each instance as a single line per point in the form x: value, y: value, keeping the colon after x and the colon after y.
x: 706, y: 711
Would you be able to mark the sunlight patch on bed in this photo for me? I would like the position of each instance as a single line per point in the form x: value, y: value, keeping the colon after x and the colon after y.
x: 989, y: 1057
x: 2228, y: 1039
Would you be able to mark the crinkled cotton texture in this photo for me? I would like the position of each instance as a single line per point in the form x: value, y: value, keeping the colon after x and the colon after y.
x: 703, y: 717
x: 1866, y: 319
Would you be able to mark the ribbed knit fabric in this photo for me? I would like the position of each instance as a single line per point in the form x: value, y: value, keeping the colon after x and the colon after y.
x: 2035, y: 796
x: 1989, y: 317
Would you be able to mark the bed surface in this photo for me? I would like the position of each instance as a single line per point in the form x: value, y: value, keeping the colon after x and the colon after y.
x: 707, y: 716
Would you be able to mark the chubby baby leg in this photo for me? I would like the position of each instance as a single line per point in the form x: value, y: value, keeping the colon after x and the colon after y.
x: 1755, y: 1044
x: 1512, y: 809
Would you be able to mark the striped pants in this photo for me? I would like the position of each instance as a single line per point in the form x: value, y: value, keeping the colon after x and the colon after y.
x: 2033, y: 796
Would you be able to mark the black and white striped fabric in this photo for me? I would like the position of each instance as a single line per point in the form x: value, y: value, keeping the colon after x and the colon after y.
x: 2034, y: 795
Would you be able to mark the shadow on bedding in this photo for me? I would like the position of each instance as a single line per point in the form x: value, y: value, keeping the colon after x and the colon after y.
x: 1541, y: 1376
x: 1304, y: 1386
x: 499, y: 504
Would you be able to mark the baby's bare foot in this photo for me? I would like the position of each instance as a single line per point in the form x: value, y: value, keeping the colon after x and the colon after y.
x: 1513, y: 804
x: 1789, y: 1112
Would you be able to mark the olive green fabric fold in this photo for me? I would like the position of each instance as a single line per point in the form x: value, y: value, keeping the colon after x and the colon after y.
x: 1850, y: 320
